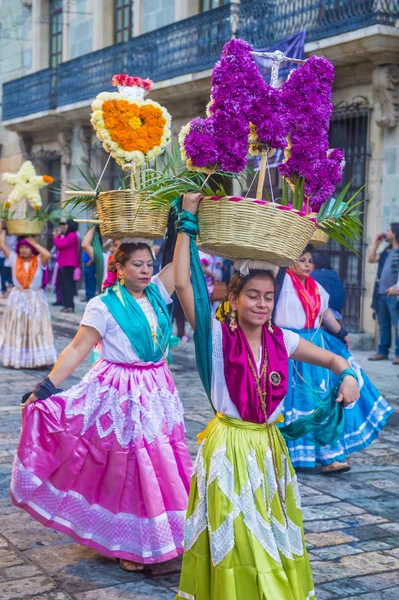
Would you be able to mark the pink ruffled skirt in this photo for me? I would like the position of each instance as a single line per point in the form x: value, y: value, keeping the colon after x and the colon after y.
x: 106, y: 462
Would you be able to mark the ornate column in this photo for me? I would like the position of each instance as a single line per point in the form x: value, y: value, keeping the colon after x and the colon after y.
x: 383, y: 173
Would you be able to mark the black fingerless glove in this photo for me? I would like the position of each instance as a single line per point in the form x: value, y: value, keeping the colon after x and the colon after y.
x: 43, y: 390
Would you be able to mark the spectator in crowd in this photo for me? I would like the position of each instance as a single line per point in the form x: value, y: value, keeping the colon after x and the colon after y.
x: 56, y: 279
x: 385, y: 302
x: 157, y: 250
x: 324, y: 274
x: 89, y: 272
x: 68, y: 261
x: 5, y: 270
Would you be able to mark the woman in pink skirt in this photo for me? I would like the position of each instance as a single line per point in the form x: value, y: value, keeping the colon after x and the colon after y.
x: 106, y: 461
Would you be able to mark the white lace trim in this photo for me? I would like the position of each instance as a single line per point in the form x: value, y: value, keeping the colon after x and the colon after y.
x: 143, y: 413
x: 274, y: 537
x: 141, y: 536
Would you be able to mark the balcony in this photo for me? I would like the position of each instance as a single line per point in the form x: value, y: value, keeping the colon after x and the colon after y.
x: 189, y: 46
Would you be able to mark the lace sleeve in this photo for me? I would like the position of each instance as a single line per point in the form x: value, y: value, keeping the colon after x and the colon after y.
x: 96, y: 316
x: 291, y: 340
x: 217, y: 340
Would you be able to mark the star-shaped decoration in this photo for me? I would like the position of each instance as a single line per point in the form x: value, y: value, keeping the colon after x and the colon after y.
x: 26, y: 185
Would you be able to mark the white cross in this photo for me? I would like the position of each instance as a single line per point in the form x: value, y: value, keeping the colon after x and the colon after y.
x: 277, y: 57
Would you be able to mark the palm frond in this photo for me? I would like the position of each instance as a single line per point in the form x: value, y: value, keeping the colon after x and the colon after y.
x: 340, y: 219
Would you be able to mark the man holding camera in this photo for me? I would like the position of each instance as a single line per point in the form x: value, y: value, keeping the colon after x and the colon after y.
x: 385, y: 297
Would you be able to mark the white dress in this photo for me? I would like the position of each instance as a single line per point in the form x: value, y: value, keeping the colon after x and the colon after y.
x: 26, y: 335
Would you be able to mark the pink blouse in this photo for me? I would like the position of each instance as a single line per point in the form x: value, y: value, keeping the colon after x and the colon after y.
x: 68, y: 249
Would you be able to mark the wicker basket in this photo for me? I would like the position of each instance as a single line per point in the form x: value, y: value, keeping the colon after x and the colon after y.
x: 24, y: 227
x: 252, y: 229
x: 126, y: 214
x: 319, y: 238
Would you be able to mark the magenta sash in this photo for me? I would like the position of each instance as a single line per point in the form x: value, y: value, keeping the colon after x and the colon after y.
x: 239, y: 378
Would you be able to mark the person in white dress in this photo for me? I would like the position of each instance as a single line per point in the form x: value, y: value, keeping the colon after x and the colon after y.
x: 26, y: 335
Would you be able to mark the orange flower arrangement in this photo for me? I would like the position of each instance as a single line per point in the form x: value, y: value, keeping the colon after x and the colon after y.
x: 134, y: 127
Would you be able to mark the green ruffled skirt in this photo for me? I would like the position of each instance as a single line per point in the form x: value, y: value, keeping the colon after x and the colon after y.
x: 244, y: 533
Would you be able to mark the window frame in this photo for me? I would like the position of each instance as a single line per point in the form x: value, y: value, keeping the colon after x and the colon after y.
x: 125, y: 32
x: 55, y: 32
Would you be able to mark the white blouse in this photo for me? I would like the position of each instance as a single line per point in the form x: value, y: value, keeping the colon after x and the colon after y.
x: 220, y: 394
x: 37, y: 278
x: 115, y: 346
x: 289, y: 310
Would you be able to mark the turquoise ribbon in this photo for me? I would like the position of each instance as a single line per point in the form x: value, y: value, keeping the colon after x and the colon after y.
x: 132, y: 320
x: 188, y: 223
x: 326, y: 422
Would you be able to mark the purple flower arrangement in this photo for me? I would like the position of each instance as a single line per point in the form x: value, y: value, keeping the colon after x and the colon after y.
x: 295, y: 118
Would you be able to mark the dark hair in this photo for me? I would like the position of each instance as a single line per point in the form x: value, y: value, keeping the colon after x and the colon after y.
x: 309, y: 249
x: 72, y: 226
x: 124, y: 253
x: 395, y: 230
x: 321, y: 260
x: 237, y: 284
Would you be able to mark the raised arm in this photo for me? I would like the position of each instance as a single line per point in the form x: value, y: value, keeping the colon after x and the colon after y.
x: 3, y: 245
x: 181, y: 263
x: 166, y: 276
x: 87, y: 243
x: 312, y: 354
x: 71, y: 357
x: 64, y: 241
x: 43, y: 252
x: 373, y: 256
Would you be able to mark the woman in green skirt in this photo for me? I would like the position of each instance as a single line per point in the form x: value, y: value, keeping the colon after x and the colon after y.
x: 244, y: 534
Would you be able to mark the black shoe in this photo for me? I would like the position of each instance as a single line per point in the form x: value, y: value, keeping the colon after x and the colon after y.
x: 57, y: 303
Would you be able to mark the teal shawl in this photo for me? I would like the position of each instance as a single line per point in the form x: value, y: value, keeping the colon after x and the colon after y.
x: 98, y: 259
x: 325, y: 423
x: 132, y: 320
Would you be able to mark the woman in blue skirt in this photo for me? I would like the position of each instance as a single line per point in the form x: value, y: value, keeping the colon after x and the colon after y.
x: 303, y: 307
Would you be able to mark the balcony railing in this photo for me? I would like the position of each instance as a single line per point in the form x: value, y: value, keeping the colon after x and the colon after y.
x: 189, y: 46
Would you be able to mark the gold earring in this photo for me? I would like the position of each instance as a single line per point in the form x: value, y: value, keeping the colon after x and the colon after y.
x: 269, y: 326
x: 122, y: 279
x: 233, y: 323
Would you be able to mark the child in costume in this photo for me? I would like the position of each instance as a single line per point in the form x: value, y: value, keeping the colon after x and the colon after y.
x: 106, y: 461
x: 244, y: 533
x: 26, y: 335
x: 303, y: 308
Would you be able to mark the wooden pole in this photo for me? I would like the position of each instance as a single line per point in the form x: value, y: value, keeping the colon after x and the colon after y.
x: 262, y: 173
x: 133, y: 178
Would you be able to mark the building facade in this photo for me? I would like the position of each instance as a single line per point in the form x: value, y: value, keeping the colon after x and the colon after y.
x: 57, y: 55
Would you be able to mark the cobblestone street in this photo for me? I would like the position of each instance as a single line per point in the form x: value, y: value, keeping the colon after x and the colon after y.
x: 351, y: 521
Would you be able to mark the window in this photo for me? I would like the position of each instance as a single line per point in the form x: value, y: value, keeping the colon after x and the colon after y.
x: 55, y: 33
x: 209, y: 4
x: 123, y: 20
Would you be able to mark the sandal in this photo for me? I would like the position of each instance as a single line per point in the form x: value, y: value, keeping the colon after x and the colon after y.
x: 331, y: 469
x: 130, y: 566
